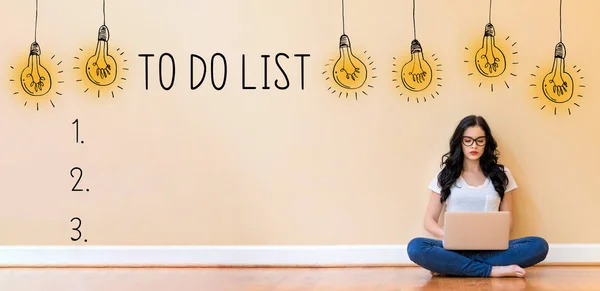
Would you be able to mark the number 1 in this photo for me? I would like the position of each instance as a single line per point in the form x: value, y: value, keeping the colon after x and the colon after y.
x: 76, y: 122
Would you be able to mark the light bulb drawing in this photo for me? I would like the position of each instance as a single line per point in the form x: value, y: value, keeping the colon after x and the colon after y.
x: 558, y: 83
x: 415, y: 78
x: 349, y: 72
x: 417, y: 73
x: 491, y: 57
x: 101, y: 69
x: 35, y: 77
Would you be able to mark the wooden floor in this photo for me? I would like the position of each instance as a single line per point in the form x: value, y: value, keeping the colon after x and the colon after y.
x: 275, y: 279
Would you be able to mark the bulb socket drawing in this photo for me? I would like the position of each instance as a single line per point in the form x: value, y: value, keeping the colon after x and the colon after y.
x: 35, y: 50
x: 560, y: 51
x: 415, y: 47
x: 103, y: 33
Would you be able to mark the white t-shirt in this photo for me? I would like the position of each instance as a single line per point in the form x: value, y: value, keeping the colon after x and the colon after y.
x: 465, y: 197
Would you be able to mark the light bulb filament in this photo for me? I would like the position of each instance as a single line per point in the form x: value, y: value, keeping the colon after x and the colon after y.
x: 37, y: 81
x: 417, y: 72
x: 559, y: 85
x: 102, y: 67
x: 348, y: 67
x: 491, y: 62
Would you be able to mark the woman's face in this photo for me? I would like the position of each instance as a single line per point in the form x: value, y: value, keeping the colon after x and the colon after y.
x: 473, y: 142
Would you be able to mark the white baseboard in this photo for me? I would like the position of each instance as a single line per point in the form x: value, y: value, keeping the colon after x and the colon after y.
x: 363, y: 255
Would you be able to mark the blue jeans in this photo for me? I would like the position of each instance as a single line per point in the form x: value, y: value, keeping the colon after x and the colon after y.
x: 429, y: 254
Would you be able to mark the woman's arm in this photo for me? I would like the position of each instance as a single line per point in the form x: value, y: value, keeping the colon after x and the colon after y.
x: 507, y: 205
x: 432, y: 214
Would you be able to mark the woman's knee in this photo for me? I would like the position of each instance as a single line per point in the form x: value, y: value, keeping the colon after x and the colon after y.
x: 539, y: 248
x: 416, y: 247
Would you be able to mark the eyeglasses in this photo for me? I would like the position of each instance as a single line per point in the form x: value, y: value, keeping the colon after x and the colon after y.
x: 468, y: 141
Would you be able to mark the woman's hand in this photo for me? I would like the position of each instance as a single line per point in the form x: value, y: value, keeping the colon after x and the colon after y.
x: 507, y: 205
x: 432, y: 215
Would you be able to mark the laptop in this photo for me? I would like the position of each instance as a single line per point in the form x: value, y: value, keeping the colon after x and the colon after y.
x: 482, y: 230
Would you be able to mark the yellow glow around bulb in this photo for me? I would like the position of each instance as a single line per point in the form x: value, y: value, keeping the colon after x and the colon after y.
x: 416, y: 74
x: 490, y: 60
x: 558, y: 84
x: 101, y: 68
x: 35, y: 78
x: 349, y: 72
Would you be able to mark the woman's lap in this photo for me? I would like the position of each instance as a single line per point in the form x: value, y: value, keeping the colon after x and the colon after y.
x: 430, y: 254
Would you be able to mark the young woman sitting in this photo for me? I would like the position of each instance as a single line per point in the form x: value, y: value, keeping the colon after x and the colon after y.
x: 471, y: 179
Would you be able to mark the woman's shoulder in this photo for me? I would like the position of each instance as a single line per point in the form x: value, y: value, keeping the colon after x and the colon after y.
x: 434, y: 183
x: 505, y: 168
x: 512, y: 184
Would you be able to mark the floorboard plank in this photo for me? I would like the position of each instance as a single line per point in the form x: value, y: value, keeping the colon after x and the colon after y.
x: 545, y: 278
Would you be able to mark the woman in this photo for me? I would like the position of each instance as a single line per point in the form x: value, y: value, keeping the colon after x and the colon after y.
x: 472, y: 180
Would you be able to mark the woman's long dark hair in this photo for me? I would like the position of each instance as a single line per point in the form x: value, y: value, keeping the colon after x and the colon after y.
x: 452, y: 162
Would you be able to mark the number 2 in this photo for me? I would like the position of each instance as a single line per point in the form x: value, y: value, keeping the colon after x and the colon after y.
x: 78, y: 179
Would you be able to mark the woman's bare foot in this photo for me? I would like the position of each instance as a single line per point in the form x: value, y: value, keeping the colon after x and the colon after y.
x: 508, y: 271
x: 435, y: 274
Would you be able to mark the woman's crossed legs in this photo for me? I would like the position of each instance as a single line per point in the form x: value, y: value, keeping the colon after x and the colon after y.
x: 521, y: 253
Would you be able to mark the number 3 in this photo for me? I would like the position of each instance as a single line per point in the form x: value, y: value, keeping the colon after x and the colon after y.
x: 76, y: 228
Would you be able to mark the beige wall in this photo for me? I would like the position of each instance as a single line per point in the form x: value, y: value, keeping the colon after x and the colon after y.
x: 296, y: 166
